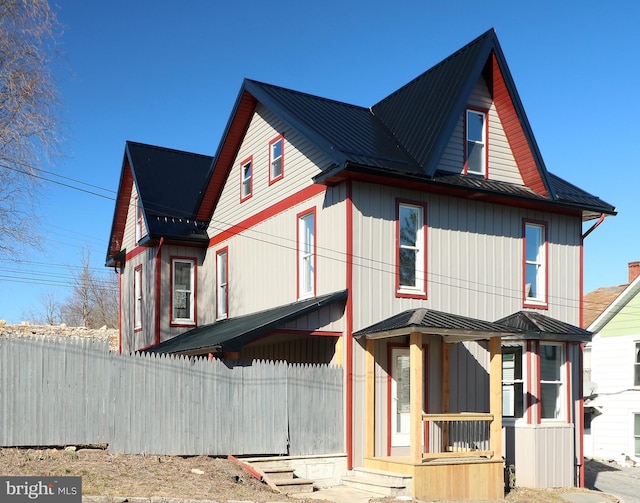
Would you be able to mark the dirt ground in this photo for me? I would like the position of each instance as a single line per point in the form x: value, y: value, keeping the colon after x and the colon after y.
x: 197, y: 477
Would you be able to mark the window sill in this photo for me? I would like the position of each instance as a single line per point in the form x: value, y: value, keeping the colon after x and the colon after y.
x: 185, y: 323
x: 411, y: 294
x: 535, y: 304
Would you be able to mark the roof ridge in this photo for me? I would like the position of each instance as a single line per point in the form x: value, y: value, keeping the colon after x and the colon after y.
x: 166, y: 149
x: 309, y: 95
x: 435, y: 67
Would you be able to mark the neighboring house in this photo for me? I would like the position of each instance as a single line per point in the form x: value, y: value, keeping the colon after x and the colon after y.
x: 412, y: 242
x: 612, y: 371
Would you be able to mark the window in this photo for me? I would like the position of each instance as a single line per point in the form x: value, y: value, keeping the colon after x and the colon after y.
x: 551, y: 385
x: 276, y: 159
x: 410, y: 252
x: 139, y: 220
x: 246, y: 182
x: 137, y: 298
x: 535, y: 263
x: 182, y: 293
x: 306, y: 254
x: 476, y: 144
x: 636, y: 366
x: 222, y: 296
x: 513, y: 395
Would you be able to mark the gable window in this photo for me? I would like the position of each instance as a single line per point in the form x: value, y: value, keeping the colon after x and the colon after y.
x: 535, y: 263
x: 222, y: 295
x: 306, y: 254
x: 139, y: 220
x: 476, y: 142
x: 276, y: 159
x: 551, y: 380
x: 246, y: 182
x: 183, y: 291
x: 137, y: 298
x: 410, y: 250
x: 513, y: 396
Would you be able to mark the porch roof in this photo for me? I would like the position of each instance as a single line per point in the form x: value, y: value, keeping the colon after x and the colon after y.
x: 453, y: 327
x: 232, y: 333
x: 533, y: 325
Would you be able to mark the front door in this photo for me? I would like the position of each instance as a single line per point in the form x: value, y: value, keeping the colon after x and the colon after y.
x: 400, y: 372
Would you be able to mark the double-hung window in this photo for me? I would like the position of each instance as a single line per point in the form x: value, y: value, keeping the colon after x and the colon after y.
x: 246, y: 178
x: 636, y: 365
x: 636, y: 435
x: 276, y: 159
x: 513, y: 390
x: 183, y: 291
x: 306, y: 254
x: 551, y: 380
x: 222, y: 289
x: 476, y: 142
x: 535, y: 263
x: 137, y: 298
x: 411, y: 250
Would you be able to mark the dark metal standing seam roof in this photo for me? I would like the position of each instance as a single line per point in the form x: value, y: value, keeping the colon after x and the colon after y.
x: 423, y: 113
x: 533, y: 325
x: 170, y: 184
x: 435, y: 322
x: 232, y: 333
x: 344, y: 132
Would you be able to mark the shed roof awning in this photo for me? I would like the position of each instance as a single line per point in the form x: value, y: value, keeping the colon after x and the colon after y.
x: 453, y: 327
x: 231, y: 334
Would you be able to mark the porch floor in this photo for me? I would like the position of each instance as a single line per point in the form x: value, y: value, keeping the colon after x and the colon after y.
x: 449, y: 478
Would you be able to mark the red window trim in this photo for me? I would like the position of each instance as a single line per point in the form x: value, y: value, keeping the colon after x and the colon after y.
x: 485, y: 111
x: 543, y: 304
x: 425, y: 389
x: 218, y: 253
x: 399, y: 292
x: 299, y: 216
x: 135, y: 299
x: 194, y: 323
x: 278, y: 178
x: 242, y: 165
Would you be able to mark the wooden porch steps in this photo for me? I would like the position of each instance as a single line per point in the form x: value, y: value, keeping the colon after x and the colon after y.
x: 379, y: 482
x: 284, y: 480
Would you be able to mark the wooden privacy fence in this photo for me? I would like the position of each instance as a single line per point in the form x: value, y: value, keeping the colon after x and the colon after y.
x: 70, y: 391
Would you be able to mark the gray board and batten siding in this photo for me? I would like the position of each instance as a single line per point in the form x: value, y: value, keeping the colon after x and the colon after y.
x: 69, y: 391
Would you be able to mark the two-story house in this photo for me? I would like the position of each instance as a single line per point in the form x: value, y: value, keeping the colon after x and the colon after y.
x: 420, y: 243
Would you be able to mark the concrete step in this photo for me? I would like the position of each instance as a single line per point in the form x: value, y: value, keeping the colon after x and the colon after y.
x: 288, y: 486
x: 277, y: 472
x: 379, y: 482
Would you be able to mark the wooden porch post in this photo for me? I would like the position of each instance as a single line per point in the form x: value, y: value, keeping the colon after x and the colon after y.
x: 369, y: 448
x: 415, y: 392
x: 495, y: 395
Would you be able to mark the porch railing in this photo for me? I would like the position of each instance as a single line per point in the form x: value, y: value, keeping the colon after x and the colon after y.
x: 457, y: 435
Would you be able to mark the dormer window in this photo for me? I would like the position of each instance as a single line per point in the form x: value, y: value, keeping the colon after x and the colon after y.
x: 476, y: 144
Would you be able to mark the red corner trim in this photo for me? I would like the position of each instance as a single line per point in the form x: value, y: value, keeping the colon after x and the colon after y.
x: 515, y: 133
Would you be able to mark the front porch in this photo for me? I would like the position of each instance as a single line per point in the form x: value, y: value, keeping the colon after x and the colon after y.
x: 451, y: 455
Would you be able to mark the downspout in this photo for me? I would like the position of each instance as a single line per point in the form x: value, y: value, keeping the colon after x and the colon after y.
x: 349, y: 326
x: 580, y: 419
x: 594, y: 226
x: 158, y: 290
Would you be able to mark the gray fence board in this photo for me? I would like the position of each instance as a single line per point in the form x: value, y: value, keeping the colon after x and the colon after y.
x: 75, y: 391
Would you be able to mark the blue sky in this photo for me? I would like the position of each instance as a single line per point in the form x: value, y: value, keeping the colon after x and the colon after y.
x: 168, y: 73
